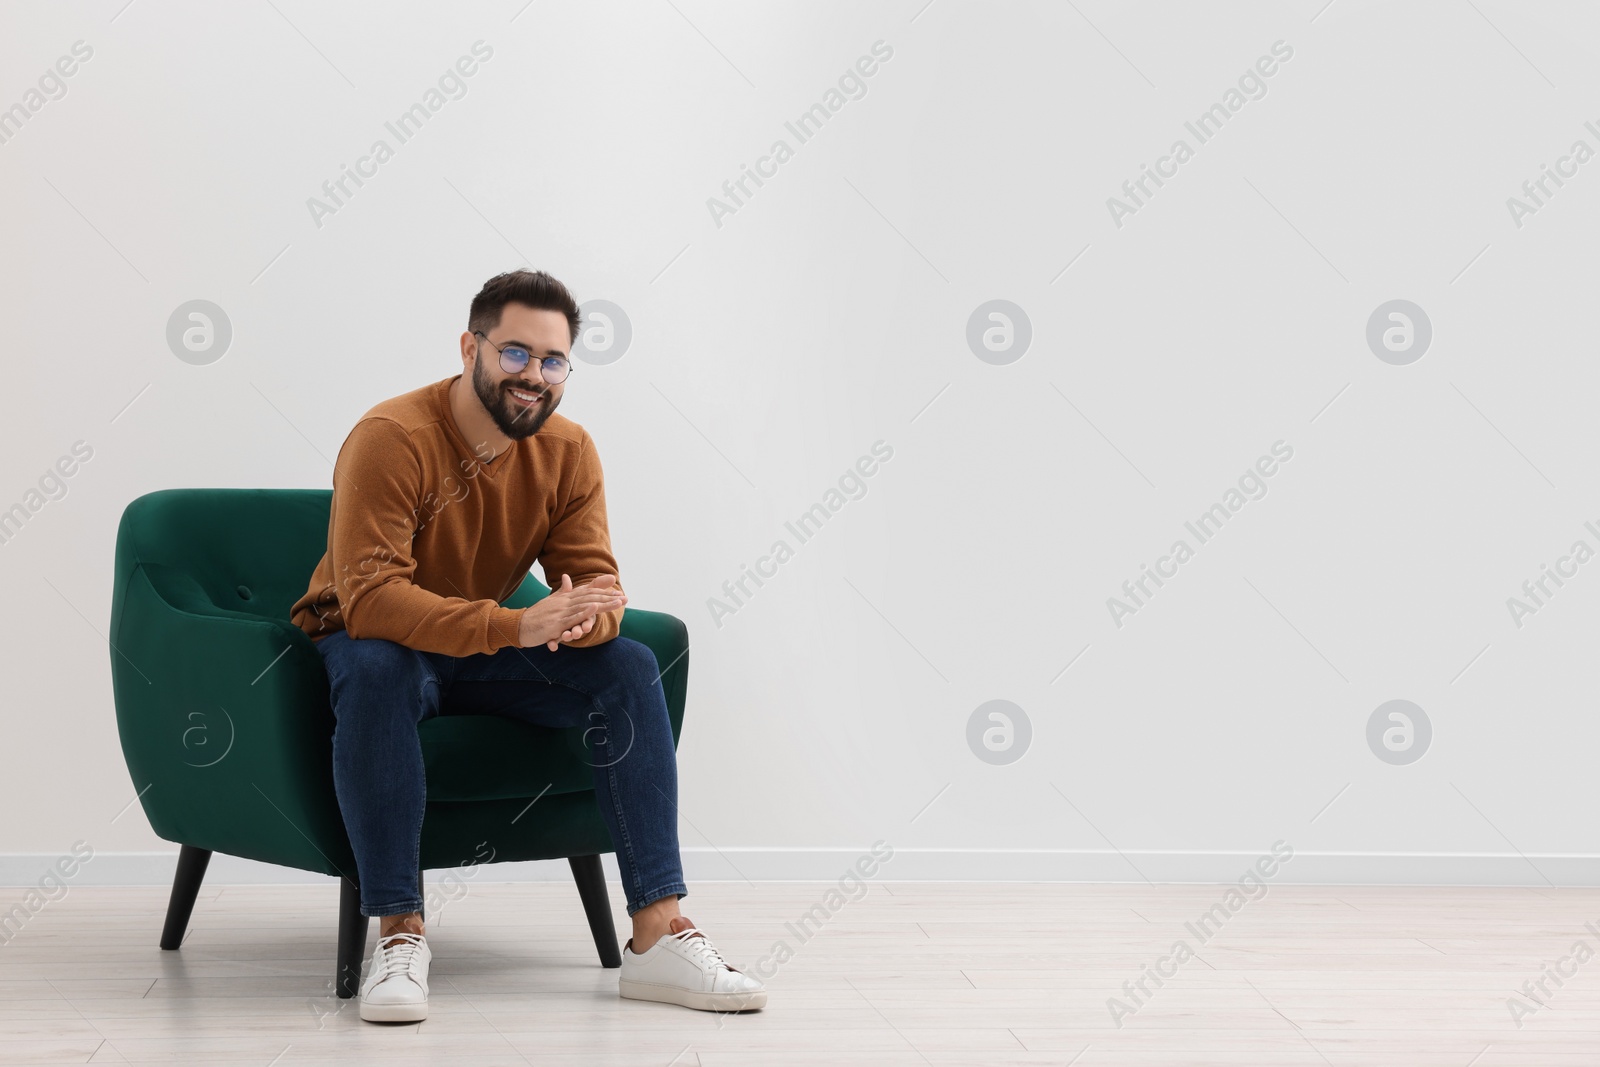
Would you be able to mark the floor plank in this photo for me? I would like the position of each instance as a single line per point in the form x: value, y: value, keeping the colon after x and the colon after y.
x: 914, y: 973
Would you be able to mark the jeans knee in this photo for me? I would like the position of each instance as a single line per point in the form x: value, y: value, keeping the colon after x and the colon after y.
x: 634, y: 661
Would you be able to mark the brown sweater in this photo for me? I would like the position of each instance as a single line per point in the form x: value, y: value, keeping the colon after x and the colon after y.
x: 425, y: 538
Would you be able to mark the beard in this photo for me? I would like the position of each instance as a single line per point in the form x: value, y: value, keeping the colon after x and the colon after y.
x: 510, y: 416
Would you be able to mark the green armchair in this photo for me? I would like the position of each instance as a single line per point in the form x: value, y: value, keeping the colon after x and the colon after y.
x: 223, y: 713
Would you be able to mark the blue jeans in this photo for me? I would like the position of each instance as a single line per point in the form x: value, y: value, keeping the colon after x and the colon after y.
x: 381, y: 690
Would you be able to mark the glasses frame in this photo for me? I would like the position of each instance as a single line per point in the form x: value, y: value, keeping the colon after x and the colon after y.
x: 518, y: 370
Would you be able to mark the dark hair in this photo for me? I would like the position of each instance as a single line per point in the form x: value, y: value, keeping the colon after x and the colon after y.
x: 534, y: 288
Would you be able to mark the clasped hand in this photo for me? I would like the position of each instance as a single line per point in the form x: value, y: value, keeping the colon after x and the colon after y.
x: 569, y: 611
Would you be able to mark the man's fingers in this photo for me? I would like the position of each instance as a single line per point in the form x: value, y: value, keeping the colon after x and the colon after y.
x: 580, y: 608
x: 592, y: 600
x: 588, y: 591
x: 572, y: 633
x: 579, y: 612
x: 599, y: 581
x: 596, y: 597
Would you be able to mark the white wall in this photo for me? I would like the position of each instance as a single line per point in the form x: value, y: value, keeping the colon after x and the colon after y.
x: 772, y: 350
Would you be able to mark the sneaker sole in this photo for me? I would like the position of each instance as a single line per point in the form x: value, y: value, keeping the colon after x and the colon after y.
x: 394, y: 1013
x: 688, y: 998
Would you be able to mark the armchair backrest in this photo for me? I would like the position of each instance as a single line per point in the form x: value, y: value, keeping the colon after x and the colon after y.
x: 226, y: 551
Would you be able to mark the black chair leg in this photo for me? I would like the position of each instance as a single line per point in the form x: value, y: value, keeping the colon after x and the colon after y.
x: 192, y: 863
x: 591, y: 879
x: 352, y: 940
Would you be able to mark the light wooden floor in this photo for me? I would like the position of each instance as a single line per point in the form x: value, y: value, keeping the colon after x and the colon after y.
x: 912, y: 973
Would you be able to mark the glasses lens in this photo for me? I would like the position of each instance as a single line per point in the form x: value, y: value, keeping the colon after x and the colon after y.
x: 513, y: 359
x: 555, y: 370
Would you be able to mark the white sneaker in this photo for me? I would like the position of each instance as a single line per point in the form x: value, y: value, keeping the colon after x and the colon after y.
x: 396, y: 989
x: 685, y: 968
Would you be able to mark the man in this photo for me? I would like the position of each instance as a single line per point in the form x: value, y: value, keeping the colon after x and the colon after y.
x: 442, y: 499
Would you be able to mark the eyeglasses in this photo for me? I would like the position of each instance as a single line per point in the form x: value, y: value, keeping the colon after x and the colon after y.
x: 513, y: 358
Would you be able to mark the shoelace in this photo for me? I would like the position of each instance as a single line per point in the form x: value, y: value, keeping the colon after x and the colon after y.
x: 702, y: 947
x: 401, y: 955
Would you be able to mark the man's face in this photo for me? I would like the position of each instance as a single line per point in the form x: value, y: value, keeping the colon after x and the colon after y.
x: 540, y: 331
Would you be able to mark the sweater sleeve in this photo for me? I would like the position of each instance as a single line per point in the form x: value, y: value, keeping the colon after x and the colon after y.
x: 377, y: 491
x: 579, y: 542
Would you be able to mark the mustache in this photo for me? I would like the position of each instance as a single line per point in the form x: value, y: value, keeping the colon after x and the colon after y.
x: 536, y: 409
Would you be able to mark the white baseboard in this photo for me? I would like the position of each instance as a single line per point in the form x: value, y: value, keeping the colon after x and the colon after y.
x: 918, y: 864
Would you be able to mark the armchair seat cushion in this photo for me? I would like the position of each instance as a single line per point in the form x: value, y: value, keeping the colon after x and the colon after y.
x: 486, y: 757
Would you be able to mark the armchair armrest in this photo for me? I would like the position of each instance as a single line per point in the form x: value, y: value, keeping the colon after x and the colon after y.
x: 226, y: 727
x: 665, y: 634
